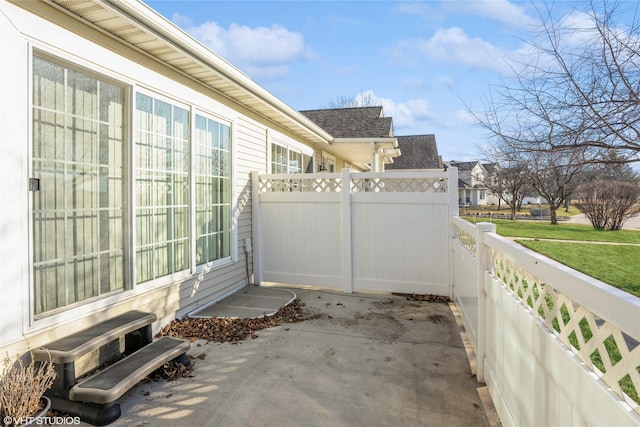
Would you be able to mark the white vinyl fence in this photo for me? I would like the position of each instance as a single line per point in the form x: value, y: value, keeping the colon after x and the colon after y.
x: 355, y: 231
x: 554, y: 346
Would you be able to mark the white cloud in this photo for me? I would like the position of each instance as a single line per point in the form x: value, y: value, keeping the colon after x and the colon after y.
x: 454, y: 46
x: 466, y: 117
x: 448, y: 82
x: 413, y: 115
x: 419, y: 9
x: 416, y: 116
x: 502, y: 11
x: 263, y: 52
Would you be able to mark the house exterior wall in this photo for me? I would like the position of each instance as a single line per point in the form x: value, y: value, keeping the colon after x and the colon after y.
x: 48, y: 30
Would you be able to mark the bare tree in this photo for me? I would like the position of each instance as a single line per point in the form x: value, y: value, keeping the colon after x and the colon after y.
x: 612, y: 168
x: 574, y: 95
x: 555, y: 175
x: 513, y: 186
x: 510, y: 178
x: 364, y: 99
x: 608, y: 203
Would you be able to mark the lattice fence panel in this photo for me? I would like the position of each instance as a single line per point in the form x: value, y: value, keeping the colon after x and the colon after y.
x: 398, y: 185
x: 613, y: 356
x: 467, y: 240
x: 300, y: 184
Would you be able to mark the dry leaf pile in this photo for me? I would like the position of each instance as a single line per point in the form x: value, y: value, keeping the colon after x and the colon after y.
x: 428, y: 298
x: 233, y: 330
x: 171, y: 371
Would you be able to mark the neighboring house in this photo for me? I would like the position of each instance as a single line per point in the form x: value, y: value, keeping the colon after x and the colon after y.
x: 418, y: 152
x: 472, y: 176
x: 126, y: 154
x: 357, y: 129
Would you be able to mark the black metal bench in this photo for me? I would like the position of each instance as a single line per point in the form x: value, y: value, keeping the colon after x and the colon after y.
x: 125, y: 341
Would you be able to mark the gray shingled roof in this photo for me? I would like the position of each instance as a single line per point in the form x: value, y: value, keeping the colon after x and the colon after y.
x: 463, y: 166
x: 357, y: 122
x: 490, y: 167
x: 418, y: 152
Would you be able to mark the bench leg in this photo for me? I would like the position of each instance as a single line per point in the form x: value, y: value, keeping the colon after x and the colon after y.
x: 183, y: 359
x: 137, y: 339
x: 92, y: 413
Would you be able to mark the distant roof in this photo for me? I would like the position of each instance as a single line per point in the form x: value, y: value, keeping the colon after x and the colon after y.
x: 418, y: 152
x: 489, y: 167
x: 356, y: 122
x: 463, y: 166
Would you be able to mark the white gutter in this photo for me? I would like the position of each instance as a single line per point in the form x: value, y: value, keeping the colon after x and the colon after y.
x: 138, y: 12
x: 378, y: 140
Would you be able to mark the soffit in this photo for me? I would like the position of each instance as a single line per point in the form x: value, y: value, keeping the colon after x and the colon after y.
x: 359, y: 151
x: 148, y: 32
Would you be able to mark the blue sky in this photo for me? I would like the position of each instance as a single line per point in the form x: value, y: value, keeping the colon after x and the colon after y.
x: 425, y: 62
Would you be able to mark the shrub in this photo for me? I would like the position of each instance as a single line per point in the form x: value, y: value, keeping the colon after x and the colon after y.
x: 22, y: 386
x: 607, y: 203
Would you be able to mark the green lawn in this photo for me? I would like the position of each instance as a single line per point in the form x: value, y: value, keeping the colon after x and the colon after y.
x: 613, y: 264
x: 544, y: 230
x: 617, y: 265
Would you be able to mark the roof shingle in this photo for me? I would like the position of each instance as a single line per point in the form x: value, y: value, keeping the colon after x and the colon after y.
x: 418, y: 152
x: 356, y: 122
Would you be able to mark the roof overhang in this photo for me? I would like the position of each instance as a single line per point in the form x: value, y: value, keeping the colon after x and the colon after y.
x: 148, y: 32
x: 360, y: 151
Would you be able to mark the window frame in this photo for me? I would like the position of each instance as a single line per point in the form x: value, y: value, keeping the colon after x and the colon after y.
x: 221, y: 262
x: 290, y: 146
x: 178, y: 274
x: 99, y: 75
x: 328, y: 162
x: 130, y: 289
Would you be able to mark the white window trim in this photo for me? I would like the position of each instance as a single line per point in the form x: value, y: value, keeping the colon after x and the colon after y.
x: 69, y: 314
x: 178, y: 275
x: 92, y: 305
x: 289, y: 145
x: 222, y: 262
x: 330, y: 157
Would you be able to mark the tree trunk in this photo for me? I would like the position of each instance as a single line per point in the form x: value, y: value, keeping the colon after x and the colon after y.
x: 552, y: 215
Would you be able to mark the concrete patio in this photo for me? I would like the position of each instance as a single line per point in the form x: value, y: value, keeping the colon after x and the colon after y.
x: 363, y: 360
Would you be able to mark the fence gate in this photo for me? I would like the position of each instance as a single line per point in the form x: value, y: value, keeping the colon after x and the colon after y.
x: 356, y: 231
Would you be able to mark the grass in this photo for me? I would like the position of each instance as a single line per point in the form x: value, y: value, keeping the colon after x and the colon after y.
x: 616, y: 264
x: 505, y: 209
x: 562, y: 316
x: 544, y: 230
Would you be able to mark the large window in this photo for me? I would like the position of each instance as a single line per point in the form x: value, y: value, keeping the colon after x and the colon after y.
x: 212, y: 168
x: 162, y: 188
x: 290, y: 159
x: 180, y: 184
x: 77, y: 186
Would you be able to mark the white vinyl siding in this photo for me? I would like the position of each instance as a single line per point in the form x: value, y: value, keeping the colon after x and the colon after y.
x: 36, y: 264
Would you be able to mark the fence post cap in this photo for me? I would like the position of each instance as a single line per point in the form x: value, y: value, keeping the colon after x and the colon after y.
x: 486, y: 227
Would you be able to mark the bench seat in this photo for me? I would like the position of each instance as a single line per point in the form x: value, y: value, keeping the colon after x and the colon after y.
x: 73, y: 347
x: 112, y: 382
